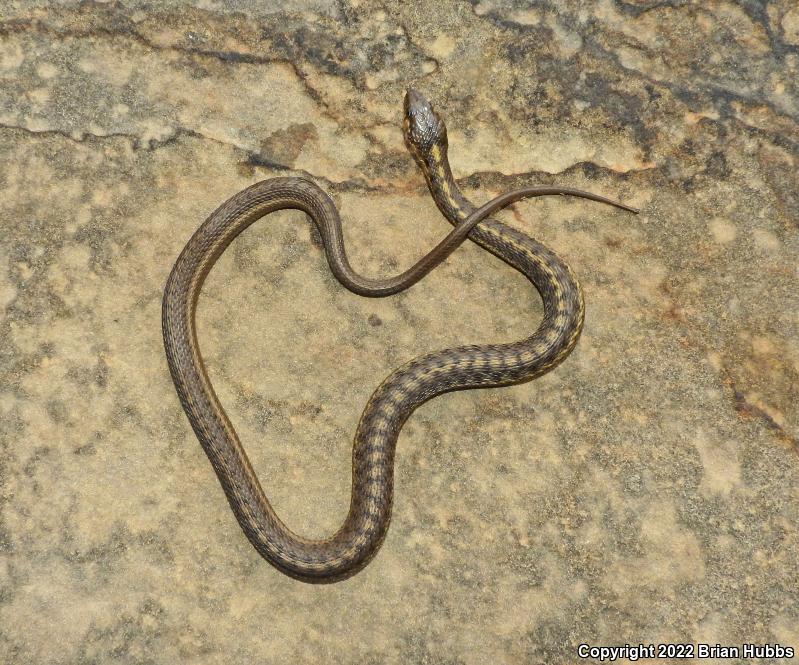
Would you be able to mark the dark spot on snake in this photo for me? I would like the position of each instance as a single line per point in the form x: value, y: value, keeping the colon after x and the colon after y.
x: 374, y: 320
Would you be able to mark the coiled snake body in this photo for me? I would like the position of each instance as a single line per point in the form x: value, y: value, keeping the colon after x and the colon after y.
x: 364, y: 529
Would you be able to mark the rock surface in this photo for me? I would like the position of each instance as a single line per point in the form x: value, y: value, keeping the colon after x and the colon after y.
x: 644, y: 491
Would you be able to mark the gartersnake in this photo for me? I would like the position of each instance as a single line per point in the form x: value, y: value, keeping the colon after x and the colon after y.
x: 362, y: 533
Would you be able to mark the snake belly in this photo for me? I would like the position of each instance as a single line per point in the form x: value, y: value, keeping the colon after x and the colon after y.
x: 473, y: 366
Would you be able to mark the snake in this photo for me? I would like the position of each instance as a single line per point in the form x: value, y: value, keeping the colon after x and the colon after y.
x: 364, y: 529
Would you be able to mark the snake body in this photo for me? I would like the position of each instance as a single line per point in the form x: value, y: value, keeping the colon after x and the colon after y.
x: 366, y: 524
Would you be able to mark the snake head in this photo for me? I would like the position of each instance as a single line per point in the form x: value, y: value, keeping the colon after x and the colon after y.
x: 423, y: 127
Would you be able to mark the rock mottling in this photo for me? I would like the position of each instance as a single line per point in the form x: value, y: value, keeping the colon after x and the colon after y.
x: 645, y: 490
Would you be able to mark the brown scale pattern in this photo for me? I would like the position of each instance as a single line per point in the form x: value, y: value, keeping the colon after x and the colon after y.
x: 365, y: 527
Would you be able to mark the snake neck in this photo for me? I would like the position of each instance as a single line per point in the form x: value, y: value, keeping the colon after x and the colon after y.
x: 441, y: 183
